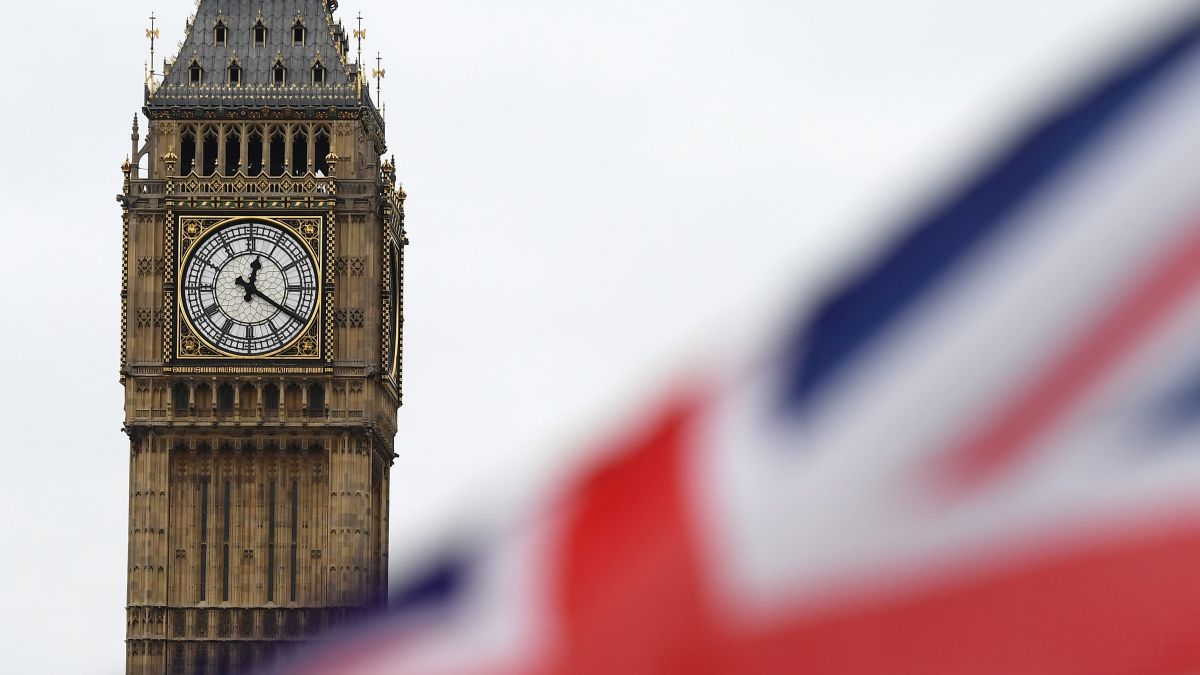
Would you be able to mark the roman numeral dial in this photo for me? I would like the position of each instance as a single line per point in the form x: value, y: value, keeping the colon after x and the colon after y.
x: 249, y: 288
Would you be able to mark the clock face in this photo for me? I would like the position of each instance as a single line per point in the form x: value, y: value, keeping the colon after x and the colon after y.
x: 249, y: 288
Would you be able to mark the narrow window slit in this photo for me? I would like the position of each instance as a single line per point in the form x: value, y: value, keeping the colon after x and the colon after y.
x: 203, y: 537
x: 295, y: 532
x: 225, y: 542
x: 271, y: 545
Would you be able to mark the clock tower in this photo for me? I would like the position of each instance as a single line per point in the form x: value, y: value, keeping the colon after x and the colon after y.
x: 262, y: 312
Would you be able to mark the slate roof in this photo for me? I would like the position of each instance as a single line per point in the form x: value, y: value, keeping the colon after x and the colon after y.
x: 324, y: 40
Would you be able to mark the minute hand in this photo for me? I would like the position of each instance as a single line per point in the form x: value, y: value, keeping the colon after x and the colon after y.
x: 285, y: 310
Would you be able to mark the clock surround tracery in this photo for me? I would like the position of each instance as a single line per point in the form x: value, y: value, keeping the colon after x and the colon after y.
x: 195, y: 343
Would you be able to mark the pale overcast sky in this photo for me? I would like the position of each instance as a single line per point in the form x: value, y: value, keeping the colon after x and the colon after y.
x: 599, y: 192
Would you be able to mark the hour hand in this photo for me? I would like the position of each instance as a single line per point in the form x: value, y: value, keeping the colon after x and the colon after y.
x: 248, y: 285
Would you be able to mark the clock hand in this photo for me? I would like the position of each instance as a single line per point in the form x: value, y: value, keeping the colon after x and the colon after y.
x: 254, y: 268
x: 285, y: 310
x: 248, y: 285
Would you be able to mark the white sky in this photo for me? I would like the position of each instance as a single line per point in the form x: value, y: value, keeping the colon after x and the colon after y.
x: 597, y: 192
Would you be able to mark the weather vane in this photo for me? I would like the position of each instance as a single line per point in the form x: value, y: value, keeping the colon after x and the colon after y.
x: 153, y: 34
x: 378, y: 73
x: 360, y: 34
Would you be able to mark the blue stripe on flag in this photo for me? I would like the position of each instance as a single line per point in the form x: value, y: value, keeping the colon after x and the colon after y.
x: 858, y: 315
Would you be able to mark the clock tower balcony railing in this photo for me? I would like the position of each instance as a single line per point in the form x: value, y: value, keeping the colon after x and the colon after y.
x: 216, y: 186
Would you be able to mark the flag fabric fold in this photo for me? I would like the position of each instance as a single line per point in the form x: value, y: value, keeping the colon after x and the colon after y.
x: 979, y: 454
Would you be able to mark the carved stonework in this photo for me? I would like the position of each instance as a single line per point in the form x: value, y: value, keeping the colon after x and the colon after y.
x: 241, y: 461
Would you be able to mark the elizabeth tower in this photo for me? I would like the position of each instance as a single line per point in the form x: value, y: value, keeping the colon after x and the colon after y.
x: 261, y: 341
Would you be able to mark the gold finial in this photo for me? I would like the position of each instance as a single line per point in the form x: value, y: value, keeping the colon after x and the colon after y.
x: 360, y: 34
x: 152, y: 33
x: 332, y: 161
x: 378, y: 73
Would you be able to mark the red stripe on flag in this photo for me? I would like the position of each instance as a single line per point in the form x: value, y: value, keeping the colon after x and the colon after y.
x: 633, y: 598
x: 1127, y: 607
x: 1007, y: 437
x: 631, y: 590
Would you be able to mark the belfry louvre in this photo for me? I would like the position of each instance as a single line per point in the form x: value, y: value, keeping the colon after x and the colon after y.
x: 261, y: 346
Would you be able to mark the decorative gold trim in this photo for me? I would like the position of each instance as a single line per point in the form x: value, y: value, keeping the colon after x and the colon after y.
x: 307, y: 345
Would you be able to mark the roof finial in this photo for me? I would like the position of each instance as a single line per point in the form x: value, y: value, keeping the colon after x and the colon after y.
x: 378, y: 73
x: 359, y: 34
x: 152, y: 33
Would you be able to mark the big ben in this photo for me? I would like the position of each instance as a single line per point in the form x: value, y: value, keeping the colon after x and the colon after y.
x: 262, y: 314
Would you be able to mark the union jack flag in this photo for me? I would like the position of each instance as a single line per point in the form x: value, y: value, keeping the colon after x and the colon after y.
x: 979, y: 454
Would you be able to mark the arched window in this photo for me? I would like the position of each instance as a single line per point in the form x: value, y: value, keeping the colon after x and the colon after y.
x: 299, y: 152
x: 277, y: 159
x: 235, y: 74
x: 209, y: 159
x: 322, y: 148
x: 248, y: 399
x: 220, y: 33
x: 298, y: 34
x: 318, y: 73
x: 292, y: 400
x: 187, y: 152
x: 316, y: 400
x: 271, y: 397
x: 196, y: 73
x: 179, y: 395
x: 233, y: 150
x: 279, y: 74
x: 260, y: 33
x: 203, y: 399
x: 254, y: 152
x: 225, y: 397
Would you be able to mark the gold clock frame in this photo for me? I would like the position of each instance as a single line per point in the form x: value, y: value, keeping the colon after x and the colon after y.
x: 308, y: 345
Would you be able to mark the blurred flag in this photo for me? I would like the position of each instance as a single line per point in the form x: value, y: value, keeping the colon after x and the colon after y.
x: 979, y: 454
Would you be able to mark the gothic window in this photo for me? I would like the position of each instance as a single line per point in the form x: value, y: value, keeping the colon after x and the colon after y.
x: 271, y: 397
x: 211, y: 143
x: 225, y: 398
x: 292, y: 400
x: 180, y: 396
x: 278, y: 149
x: 300, y: 152
x: 254, y: 151
x: 248, y: 398
x: 233, y: 150
x: 322, y: 148
x: 260, y: 33
x: 316, y: 399
x: 318, y: 73
x: 203, y: 399
x: 235, y: 74
x: 298, y: 34
x: 187, y: 152
x: 196, y: 73
x: 220, y: 33
x: 279, y: 74
x: 246, y: 623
